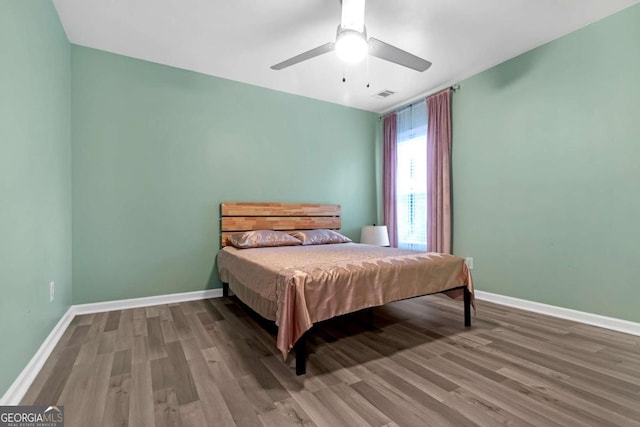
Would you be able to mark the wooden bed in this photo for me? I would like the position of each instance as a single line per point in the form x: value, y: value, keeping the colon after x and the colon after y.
x: 237, y: 217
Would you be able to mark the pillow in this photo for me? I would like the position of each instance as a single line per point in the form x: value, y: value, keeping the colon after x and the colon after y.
x: 262, y: 238
x: 320, y: 237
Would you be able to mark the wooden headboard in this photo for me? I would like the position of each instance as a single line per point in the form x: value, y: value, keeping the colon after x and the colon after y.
x: 236, y: 217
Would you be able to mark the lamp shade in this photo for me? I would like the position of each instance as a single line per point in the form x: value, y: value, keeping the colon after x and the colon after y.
x: 375, y: 235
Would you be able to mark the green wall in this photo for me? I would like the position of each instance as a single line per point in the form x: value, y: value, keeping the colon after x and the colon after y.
x: 547, y: 171
x: 35, y: 179
x: 156, y: 149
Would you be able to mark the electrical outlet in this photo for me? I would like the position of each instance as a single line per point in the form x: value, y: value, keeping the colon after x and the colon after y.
x: 52, y: 291
x: 469, y: 261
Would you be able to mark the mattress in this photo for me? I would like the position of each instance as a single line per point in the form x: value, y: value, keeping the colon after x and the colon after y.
x: 296, y: 286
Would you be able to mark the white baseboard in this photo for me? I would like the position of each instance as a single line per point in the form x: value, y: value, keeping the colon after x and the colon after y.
x: 20, y: 386
x: 561, y: 312
x: 16, y: 392
x: 98, y: 307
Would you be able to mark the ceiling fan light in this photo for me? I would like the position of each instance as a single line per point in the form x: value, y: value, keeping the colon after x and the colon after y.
x: 351, y: 46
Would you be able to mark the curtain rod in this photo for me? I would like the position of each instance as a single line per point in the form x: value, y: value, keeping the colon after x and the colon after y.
x: 454, y: 88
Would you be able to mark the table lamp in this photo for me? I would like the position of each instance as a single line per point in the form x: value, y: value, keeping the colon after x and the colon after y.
x: 375, y: 235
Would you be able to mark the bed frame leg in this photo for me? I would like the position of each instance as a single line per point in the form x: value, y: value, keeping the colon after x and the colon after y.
x: 467, y: 307
x: 225, y: 289
x: 370, y: 317
x: 300, y: 348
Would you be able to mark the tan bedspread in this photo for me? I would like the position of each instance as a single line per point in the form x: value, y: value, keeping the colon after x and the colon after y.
x: 299, y: 285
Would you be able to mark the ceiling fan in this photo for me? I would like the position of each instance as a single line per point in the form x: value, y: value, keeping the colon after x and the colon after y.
x: 352, y: 46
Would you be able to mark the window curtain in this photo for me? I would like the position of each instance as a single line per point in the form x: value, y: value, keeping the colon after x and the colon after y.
x: 389, y: 155
x: 439, y: 172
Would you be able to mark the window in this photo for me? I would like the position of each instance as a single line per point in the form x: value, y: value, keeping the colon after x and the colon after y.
x: 411, y: 177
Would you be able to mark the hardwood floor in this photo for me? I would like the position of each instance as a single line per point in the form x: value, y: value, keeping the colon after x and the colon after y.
x: 213, y: 363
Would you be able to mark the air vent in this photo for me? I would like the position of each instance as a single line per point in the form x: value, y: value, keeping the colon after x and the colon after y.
x: 385, y: 93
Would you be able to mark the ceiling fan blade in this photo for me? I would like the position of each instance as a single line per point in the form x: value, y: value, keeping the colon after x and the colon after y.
x: 385, y: 51
x: 320, y: 50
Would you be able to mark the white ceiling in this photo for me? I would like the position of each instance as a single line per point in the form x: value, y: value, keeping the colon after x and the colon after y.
x: 241, y: 39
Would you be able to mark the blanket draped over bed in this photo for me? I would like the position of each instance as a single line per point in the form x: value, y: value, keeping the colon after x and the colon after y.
x: 300, y: 285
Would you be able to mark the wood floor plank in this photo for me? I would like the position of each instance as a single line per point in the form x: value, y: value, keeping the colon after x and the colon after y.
x: 577, y: 387
x: 213, y: 404
x: 365, y: 409
x: 566, y: 355
x: 199, y: 332
x: 162, y: 374
x: 520, y: 405
x: 183, y: 381
x: 164, y: 312
x: 43, y: 376
x: 340, y: 409
x: 113, y: 321
x: 481, y: 411
x: 124, y: 337
x: 206, y: 317
x: 169, y: 333
x: 287, y: 377
x: 318, y: 367
x: 139, y: 322
x: 151, y: 311
x: 212, y: 310
x: 392, y: 408
x: 79, y: 335
x: 286, y: 413
x: 116, y: 410
x: 88, y: 351
x: 508, y: 359
x: 198, y: 306
x: 182, y: 328
x: 191, y: 348
x: 186, y: 308
x: 605, y: 337
x: 191, y: 415
x: 433, y: 408
x: 155, y: 339
x: 84, y: 319
x: 590, y: 413
x: 267, y: 381
x: 318, y: 412
x: 141, y: 407
x: 239, y: 405
x: 91, y: 409
x: 421, y: 372
x: 257, y: 396
x: 139, y: 350
x: 107, y: 342
x: 230, y: 349
x: 121, y: 363
x: 166, y: 407
x: 58, y: 377
x: 475, y: 367
x: 593, y: 361
x: 570, y: 367
x: 74, y: 391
